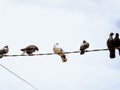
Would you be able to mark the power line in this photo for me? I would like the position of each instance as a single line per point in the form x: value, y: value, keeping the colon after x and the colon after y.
x: 18, y: 77
x: 96, y: 50
x: 40, y: 54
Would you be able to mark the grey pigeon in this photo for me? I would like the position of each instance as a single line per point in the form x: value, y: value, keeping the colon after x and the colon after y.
x: 117, y: 42
x: 30, y: 49
x: 111, y: 45
x: 83, y: 47
x: 59, y: 51
x: 4, y: 51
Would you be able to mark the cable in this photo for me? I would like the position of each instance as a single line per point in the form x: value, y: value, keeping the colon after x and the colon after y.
x: 96, y: 50
x: 41, y: 55
x: 54, y: 53
x: 18, y: 77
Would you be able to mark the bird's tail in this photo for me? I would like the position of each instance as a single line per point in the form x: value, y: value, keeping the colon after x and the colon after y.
x: 63, y: 57
x: 112, y: 54
x: 1, y: 55
x: 82, y: 52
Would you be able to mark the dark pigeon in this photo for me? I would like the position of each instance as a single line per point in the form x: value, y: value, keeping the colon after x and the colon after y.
x: 4, y: 51
x: 117, y: 42
x: 30, y: 49
x: 111, y: 46
x: 83, y: 47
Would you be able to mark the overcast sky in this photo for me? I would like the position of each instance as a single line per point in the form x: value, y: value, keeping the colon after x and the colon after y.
x: 68, y: 22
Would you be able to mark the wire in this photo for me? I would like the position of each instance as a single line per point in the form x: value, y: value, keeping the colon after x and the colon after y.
x: 96, y: 50
x: 54, y: 53
x: 18, y: 77
x: 41, y: 55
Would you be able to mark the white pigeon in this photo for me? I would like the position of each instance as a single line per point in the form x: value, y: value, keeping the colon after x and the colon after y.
x: 59, y: 51
x: 83, y: 47
x: 4, y: 51
x: 30, y: 49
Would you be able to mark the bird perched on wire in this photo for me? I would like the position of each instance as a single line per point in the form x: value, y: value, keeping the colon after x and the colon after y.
x: 117, y: 42
x: 30, y: 49
x: 111, y: 45
x: 4, y: 51
x: 83, y: 47
x: 59, y: 51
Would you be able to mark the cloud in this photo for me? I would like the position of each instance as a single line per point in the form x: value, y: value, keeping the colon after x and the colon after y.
x: 69, y: 22
x: 86, y: 5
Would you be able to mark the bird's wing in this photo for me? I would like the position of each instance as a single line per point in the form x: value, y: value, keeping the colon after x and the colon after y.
x: 84, y: 46
x: 110, y: 43
x: 5, y: 50
x: 32, y: 47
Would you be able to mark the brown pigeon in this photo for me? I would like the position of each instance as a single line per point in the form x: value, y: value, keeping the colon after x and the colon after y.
x: 4, y: 51
x: 30, y: 49
x: 83, y: 47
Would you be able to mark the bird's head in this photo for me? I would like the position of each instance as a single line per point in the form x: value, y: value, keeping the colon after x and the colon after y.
x: 6, y: 46
x: 111, y: 34
x: 37, y: 48
x: 117, y: 34
x: 57, y: 43
x: 84, y: 41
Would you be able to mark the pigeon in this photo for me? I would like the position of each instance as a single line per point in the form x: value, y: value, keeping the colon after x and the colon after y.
x: 111, y: 46
x: 58, y: 50
x: 4, y: 51
x: 83, y: 47
x: 30, y: 49
x: 117, y: 42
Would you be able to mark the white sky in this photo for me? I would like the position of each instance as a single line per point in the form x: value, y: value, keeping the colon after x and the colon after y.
x: 69, y: 22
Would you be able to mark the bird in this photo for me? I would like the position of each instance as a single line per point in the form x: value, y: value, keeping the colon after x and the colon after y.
x: 4, y: 51
x: 117, y: 42
x: 30, y: 49
x: 111, y: 45
x: 59, y: 51
x: 83, y: 47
